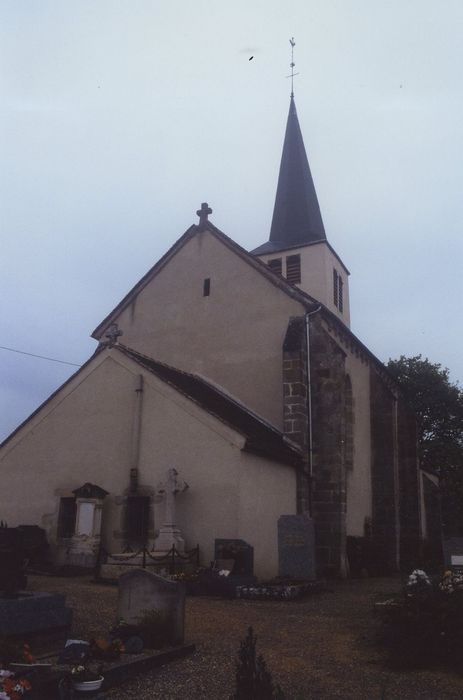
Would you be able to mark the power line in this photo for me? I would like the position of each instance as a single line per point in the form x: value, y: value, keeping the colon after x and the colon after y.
x: 41, y: 357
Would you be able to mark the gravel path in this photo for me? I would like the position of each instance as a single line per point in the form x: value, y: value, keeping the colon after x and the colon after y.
x: 321, y: 647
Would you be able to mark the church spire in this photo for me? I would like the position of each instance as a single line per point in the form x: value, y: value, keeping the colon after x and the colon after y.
x: 296, y: 215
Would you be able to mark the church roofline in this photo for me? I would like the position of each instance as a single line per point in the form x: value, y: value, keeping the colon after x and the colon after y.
x: 261, y: 437
x: 189, y: 233
x: 52, y: 396
x: 307, y: 301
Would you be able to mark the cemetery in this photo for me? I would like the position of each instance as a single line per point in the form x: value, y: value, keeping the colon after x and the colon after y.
x: 152, y: 634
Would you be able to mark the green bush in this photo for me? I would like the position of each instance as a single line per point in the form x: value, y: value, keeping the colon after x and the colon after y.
x: 253, y: 681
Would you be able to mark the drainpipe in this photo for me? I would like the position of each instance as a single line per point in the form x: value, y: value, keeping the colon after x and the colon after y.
x: 136, y: 435
x: 309, y: 399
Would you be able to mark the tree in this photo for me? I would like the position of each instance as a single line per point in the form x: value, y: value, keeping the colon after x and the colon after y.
x: 438, y: 405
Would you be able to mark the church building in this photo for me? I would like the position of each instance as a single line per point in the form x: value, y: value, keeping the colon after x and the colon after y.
x: 235, y: 375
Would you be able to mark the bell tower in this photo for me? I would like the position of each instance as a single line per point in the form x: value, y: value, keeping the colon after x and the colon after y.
x: 298, y: 248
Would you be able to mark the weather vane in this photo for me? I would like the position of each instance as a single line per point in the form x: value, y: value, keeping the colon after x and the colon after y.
x: 291, y: 65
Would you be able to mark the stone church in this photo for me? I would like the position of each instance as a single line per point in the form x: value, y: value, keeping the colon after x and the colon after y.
x: 239, y: 371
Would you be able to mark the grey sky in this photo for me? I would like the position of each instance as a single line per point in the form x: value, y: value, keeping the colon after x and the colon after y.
x: 119, y: 118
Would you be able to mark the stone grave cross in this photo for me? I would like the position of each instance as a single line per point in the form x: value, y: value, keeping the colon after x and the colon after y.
x: 169, y: 534
x: 169, y: 490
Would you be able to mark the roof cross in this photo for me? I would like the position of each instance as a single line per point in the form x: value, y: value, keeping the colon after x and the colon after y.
x: 203, y: 213
x: 113, y: 334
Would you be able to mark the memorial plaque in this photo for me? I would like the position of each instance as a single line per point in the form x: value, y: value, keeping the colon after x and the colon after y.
x: 296, y: 547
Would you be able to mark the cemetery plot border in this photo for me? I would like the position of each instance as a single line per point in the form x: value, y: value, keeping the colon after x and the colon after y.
x: 143, y: 559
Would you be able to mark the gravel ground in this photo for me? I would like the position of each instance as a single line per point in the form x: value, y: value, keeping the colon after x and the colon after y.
x: 321, y: 647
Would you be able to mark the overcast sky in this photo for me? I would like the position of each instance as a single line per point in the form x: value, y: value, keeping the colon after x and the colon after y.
x: 119, y: 117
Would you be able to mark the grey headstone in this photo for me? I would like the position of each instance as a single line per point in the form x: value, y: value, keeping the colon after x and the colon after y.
x: 32, y: 613
x: 296, y: 547
x: 141, y: 592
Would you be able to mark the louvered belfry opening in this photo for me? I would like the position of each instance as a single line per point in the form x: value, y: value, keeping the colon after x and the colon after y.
x: 293, y: 269
x: 276, y: 265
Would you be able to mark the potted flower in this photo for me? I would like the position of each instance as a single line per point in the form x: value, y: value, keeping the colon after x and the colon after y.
x: 12, y: 687
x: 86, y: 680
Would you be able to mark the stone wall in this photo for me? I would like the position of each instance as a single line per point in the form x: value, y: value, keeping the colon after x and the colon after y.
x: 327, y: 363
x: 295, y: 402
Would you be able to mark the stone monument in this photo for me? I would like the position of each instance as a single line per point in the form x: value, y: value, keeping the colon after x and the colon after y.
x: 169, y: 534
x: 142, y: 592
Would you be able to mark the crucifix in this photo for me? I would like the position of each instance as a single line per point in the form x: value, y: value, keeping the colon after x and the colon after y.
x: 203, y: 213
x: 113, y: 334
x: 292, y: 65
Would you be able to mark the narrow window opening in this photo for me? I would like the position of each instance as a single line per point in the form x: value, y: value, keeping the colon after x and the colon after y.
x: 340, y: 294
x: 137, y: 513
x: 293, y: 269
x: 206, y: 287
x: 67, y: 517
x: 335, y: 287
x: 276, y: 265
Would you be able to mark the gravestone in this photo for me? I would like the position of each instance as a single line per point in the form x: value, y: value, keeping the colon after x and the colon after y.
x: 240, y: 551
x: 12, y: 576
x: 296, y: 547
x: 453, y: 553
x: 41, y: 618
x: 142, y: 592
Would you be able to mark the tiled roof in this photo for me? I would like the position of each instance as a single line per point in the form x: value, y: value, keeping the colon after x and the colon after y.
x: 261, y: 437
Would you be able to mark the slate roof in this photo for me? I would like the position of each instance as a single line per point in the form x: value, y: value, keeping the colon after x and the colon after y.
x: 261, y: 437
x: 296, y: 215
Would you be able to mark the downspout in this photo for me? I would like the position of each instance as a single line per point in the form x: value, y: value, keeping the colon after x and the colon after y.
x: 309, y: 401
x: 136, y: 435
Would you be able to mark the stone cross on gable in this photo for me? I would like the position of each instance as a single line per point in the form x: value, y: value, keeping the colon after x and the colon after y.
x: 169, y: 489
x: 203, y: 213
x: 113, y: 334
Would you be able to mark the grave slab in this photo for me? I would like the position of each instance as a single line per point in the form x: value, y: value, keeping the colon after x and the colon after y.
x: 296, y: 547
x: 142, y: 592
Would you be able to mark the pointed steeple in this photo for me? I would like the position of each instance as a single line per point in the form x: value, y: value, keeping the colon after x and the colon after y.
x: 296, y: 216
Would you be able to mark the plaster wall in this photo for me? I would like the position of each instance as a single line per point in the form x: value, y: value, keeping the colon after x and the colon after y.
x: 317, y: 264
x: 231, y: 494
x: 84, y: 434
x: 233, y: 337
